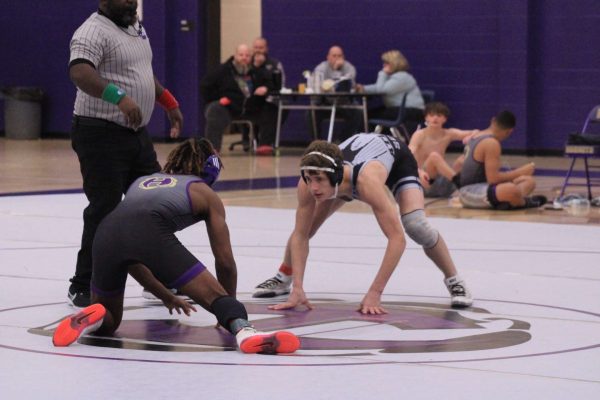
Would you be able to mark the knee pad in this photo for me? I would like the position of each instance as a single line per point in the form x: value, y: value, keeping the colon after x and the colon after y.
x: 417, y: 227
x: 227, y: 309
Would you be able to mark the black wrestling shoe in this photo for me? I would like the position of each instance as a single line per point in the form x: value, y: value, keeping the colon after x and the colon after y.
x: 79, y: 298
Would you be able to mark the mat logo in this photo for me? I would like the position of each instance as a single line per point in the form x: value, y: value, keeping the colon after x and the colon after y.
x: 415, y: 330
x: 335, y: 326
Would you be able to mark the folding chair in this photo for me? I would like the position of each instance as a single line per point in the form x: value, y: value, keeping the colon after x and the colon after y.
x: 428, y: 95
x: 396, y: 126
x: 584, y: 145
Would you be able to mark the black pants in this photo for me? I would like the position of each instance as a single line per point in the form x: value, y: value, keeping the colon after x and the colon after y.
x: 111, y: 157
x: 219, y: 117
x: 267, y: 124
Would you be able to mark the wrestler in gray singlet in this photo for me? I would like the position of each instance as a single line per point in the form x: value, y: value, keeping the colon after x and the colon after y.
x: 395, y: 156
x: 474, y: 189
x: 141, y: 230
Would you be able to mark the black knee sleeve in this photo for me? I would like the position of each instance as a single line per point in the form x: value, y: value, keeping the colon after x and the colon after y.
x: 226, y: 309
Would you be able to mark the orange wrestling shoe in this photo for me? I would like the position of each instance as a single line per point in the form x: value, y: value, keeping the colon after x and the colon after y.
x: 72, y: 327
x: 252, y: 341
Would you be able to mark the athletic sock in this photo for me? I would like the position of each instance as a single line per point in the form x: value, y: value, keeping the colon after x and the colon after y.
x: 238, y: 324
x: 285, y: 273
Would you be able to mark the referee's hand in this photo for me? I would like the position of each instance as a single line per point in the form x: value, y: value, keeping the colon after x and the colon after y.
x: 132, y: 112
x: 176, y: 119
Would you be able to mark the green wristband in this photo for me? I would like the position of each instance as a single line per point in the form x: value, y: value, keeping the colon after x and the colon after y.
x: 113, y: 94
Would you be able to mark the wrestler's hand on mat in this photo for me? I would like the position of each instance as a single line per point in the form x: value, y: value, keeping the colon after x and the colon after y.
x: 179, y: 305
x: 295, y: 298
x: 371, y: 304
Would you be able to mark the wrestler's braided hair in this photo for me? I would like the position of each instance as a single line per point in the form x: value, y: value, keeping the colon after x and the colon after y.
x: 188, y: 158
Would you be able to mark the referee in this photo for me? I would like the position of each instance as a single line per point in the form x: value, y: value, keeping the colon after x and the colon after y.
x: 111, y: 65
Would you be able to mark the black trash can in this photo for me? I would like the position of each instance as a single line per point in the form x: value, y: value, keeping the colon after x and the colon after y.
x: 22, y: 112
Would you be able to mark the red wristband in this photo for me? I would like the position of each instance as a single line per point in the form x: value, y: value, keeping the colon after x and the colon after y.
x: 167, y: 101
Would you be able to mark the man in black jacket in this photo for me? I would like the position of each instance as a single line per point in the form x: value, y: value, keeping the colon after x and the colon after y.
x: 261, y: 59
x: 272, y: 69
x: 235, y: 90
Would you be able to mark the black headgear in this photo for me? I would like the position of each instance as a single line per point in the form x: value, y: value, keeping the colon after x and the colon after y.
x: 335, y: 173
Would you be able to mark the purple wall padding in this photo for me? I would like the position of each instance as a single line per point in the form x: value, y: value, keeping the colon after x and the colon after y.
x: 536, y: 58
x: 480, y: 56
x: 35, y: 52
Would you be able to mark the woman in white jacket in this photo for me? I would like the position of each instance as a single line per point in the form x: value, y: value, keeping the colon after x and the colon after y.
x: 394, y: 81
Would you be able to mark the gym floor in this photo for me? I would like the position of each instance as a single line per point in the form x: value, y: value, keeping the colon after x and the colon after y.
x: 533, y: 331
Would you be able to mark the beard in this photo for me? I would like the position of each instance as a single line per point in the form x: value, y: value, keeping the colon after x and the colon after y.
x: 240, y: 68
x: 122, y: 15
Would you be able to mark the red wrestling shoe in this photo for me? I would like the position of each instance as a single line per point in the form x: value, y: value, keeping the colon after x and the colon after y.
x: 72, y: 327
x: 265, y: 150
x: 252, y: 341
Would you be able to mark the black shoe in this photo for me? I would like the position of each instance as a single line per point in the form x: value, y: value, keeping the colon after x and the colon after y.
x: 535, y: 201
x: 79, y: 297
x: 456, y: 180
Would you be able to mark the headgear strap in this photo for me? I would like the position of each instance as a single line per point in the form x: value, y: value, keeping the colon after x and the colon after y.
x: 332, y: 172
x: 313, y: 168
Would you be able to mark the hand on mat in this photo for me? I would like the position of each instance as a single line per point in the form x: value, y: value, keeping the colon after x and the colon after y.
x: 295, y: 298
x: 178, y: 304
x: 371, y: 304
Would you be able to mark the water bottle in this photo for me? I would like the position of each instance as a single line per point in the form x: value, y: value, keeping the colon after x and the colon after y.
x: 318, y: 82
x: 579, y: 207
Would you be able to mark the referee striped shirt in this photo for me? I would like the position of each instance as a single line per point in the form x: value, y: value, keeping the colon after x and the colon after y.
x: 122, y: 57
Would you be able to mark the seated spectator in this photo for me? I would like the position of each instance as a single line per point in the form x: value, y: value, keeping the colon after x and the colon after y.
x: 335, y: 69
x: 483, y: 184
x: 394, y: 82
x: 272, y: 69
x: 235, y: 90
x: 429, y: 146
x: 262, y: 60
